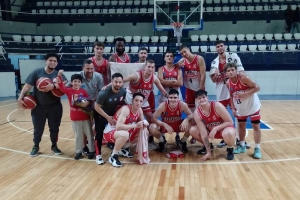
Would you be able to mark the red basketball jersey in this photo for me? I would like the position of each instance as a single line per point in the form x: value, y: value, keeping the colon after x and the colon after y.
x: 120, y: 60
x: 192, y: 74
x: 101, y: 68
x: 212, y: 119
x: 131, y: 118
x: 143, y: 86
x: 171, y: 116
x: 170, y: 74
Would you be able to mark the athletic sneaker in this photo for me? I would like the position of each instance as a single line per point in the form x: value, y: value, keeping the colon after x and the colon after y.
x: 114, y: 160
x: 78, y: 156
x: 91, y: 155
x: 56, y: 150
x: 99, y: 160
x: 221, y: 144
x: 203, y: 150
x: 110, y: 145
x: 257, y: 153
x: 35, y: 150
x: 162, y: 146
x: 177, y: 139
x: 150, y: 139
x: 193, y: 141
x: 239, y: 149
x: 182, y: 146
x: 230, y: 154
x: 248, y: 146
x: 85, y: 150
x: 125, y: 153
x: 152, y: 146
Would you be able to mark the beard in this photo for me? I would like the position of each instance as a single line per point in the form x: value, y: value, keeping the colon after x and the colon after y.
x: 50, y: 68
x: 117, y: 88
x: 120, y: 51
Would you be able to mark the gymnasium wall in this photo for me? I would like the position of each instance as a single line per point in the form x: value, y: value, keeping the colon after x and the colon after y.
x: 7, y: 84
x: 143, y: 29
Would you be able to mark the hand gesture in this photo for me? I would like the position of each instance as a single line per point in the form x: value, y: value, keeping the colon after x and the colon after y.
x: 48, y: 87
x: 212, y: 133
x: 168, y: 128
x: 140, y: 124
x: 112, y: 121
x: 184, y: 126
x: 207, y: 156
x: 21, y: 103
x: 60, y: 72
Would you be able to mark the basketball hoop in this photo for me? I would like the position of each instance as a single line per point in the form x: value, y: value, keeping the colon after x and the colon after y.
x: 177, y: 27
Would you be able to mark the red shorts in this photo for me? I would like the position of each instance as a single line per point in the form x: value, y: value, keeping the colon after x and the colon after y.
x: 190, y: 97
x: 175, y: 127
x: 225, y: 102
x: 151, y: 101
x: 254, y: 117
x: 219, y: 133
x: 147, y: 109
x: 110, y: 136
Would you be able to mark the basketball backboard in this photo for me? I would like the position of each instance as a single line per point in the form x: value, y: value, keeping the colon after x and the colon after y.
x: 188, y: 12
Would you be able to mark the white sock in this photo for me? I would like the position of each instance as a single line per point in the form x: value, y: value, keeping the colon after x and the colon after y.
x: 257, y: 146
x: 126, y: 145
x: 99, y: 156
x: 114, y: 152
x: 177, y: 133
x: 242, y: 143
x: 184, y: 139
x: 161, y: 139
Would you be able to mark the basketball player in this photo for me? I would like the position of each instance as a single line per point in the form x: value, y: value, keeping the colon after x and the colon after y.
x: 244, y: 103
x: 194, y: 76
x: 120, y: 56
x: 143, y: 55
x: 129, y: 119
x: 171, y: 112
x: 48, y: 107
x: 101, y: 64
x: 105, y: 107
x: 213, y: 121
x: 143, y: 81
x: 218, y: 76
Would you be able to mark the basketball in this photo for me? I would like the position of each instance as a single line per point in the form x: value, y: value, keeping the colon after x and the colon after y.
x: 30, y: 101
x: 42, y: 82
x: 57, y: 92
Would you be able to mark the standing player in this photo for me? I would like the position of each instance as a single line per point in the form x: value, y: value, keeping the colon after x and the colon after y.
x: 218, y: 76
x: 171, y: 112
x: 143, y: 55
x: 129, y: 119
x: 194, y: 76
x: 48, y: 107
x: 244, y: 103
x: 213, y: 121
x: 120, y: 56
x: 105, y: 107
x: 101, y: 64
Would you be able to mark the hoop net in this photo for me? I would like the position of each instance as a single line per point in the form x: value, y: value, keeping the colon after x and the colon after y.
x: 177, y: 27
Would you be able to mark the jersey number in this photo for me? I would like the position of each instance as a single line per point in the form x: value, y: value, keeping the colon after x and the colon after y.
x: 238, y: 101
x: 191, y: 80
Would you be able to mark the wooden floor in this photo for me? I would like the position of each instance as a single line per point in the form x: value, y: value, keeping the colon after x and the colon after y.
x: 275, y: 176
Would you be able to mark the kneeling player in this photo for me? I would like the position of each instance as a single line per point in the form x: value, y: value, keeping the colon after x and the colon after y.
x: 213, y: 121
x: 129, y: 119
x: 170, y: 112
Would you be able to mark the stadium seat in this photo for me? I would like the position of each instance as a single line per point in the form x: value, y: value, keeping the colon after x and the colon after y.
x: 121, y: 3
x: 250, y: 8
x: 101, y: 38
x: 291, y: 47
x: 96, y: 11
x: 203, y: 38
x: 240, y: 37
x: 48, y: 38
x: 27, y: 38
x: 269, y: 36
x: 273, y: 47
x: 127, y: 49
x: 92, y: 3
x: 128, y: 38
x: 143, y: 10
x: 84, y: 38
x: 217, y: 1
x: 262, y: 47
x: 154, y: 39
x: 163, y: 38
x: 275, y: 7
x: 17, y: 38
x: 281, y: 47
x: 127, y: 10
x: 252, y: 47
x: 114, y: 3
x: 209, y: 1
x: 212, y: 49
x: 243, y: 48
x: 240, y: 1
x: 57, y: 39
x: 278, y: 36
x: 153, y: 49
x: 242, y: 8
x: 134, y: 49
x: 232, y: 1
x: 231, y: 37
x: 222, y: 37
x: 47, y: 3
x: 73, y: 11
x: 203, y: 48
x: 99, y: 3
x: 266, y: 7
x: 194, y: 38
x: 287, y: 36
x: 112, y: 11
x: 195, y: 49
x: 249, y: 37
x: 54, y: 3
x: 145, y: 39
x: 226, y: 8
x: 67, y: 38
x: 283, y: 7
x: 38, y: 38
x: 57, y: 11
x: 107, y: 49
x: 136, y: 2
x: 233, y: 48
x: 128, y: 3
x: 76, y: 3
x: 120, y: 11
x: 209, y: 9
x: 76, y: 38
x: 50, y: 11
x: 88, y: 11
x: 33, y: 11
x: 259, y: 36
x: 69, y: 3
x: 137, y: 38
x: 224, y: 1
x: 218, y: 9
x: 259, y: 8
x: 80, y: 11
x: 39, y: 3
x: 92, y: 38
x: 297, y: 36
x: 65, y: 11
x: 162, y: 49
x: 110, y: 39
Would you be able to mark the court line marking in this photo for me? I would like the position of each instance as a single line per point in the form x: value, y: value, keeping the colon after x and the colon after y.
x: 166, y: 163
x: 8, y: 105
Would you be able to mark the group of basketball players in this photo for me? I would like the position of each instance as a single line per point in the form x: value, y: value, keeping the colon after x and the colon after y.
x: 204, y: 119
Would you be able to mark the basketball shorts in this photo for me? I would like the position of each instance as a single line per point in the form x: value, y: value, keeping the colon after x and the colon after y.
x: 175, y: 127
x: 219, y: 133
x: 151, y: 100
x: 225, y: 102
x: 254, y: 118
x: 110, y: 136
x: 190, y: 97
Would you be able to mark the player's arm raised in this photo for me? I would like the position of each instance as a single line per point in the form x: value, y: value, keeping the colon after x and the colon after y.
x: 202, y: 67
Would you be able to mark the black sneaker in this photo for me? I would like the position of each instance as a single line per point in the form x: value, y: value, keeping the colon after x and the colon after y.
x: 35, y: 150
x: 91, y: 155
x: 177, y: 139
x: 203, y: 150
x: 56, y: 150
x: 182, y: 146
x: 162, y: 146
x: 221, y: 144
x: 114, y: 160
x: 110, y: 145
x: 150, y: 139
x: 85, y: 150
x: 125, y: 153
x: 230, y: 154
x: 78, y: 156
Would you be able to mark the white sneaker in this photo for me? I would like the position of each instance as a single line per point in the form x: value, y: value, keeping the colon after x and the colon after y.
x: 152, y: 146
x: 125, y: 153
x: 99, y: 160
x: 114, y: 160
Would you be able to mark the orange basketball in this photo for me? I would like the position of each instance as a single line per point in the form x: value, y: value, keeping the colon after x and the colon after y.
x: 30, y: 101
x: 57, y: 92
x: 42, y: 82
